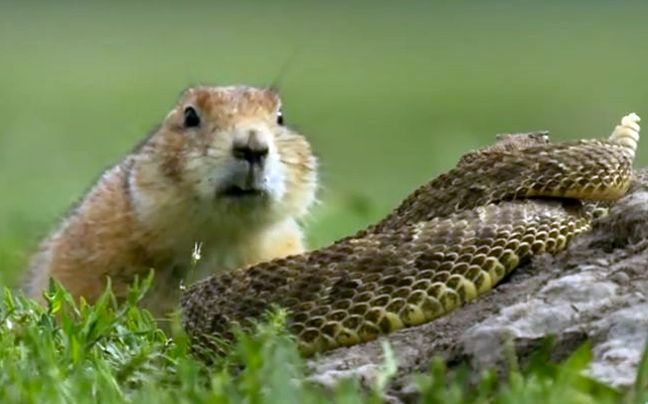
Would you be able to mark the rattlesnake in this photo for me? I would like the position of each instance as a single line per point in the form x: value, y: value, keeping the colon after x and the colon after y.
x: 448, y: 242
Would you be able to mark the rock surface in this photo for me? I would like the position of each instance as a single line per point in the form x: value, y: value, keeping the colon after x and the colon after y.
x: 596, y: 291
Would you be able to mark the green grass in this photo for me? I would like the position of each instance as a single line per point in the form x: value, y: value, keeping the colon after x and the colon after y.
x: 110, y: 353
x: 389, y: 93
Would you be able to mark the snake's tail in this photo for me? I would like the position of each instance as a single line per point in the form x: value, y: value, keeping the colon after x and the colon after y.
x: 627, y: 133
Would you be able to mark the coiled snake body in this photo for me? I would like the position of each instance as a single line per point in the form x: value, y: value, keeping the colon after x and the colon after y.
x: 450, y: 241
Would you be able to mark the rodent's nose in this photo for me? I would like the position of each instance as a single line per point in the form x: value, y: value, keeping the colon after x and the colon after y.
x: 253, y: 156
x: 253, y: 151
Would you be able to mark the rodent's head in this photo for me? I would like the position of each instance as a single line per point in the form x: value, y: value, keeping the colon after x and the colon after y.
x: 229, y: 146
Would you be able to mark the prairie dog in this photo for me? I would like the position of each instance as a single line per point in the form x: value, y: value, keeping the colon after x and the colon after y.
x: 221, y: 172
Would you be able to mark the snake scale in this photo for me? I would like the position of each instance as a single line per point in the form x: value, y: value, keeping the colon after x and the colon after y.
x: 450, y: 241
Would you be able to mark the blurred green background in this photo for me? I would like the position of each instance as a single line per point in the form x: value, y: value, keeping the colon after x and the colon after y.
x: 390, y: 93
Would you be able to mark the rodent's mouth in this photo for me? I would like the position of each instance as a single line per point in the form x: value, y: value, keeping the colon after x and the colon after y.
x: 238, y: 192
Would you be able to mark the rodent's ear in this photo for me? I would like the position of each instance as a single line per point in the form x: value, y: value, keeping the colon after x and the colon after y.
x: 277, y: 100
x: 274, y: 93
x: 274, y: 89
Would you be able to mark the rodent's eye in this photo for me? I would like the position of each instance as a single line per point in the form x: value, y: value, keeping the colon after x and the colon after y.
x: 280, y: 119
x: 191, y: 118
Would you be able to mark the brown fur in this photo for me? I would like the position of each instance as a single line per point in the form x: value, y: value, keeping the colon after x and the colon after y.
x: 153, y: 208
